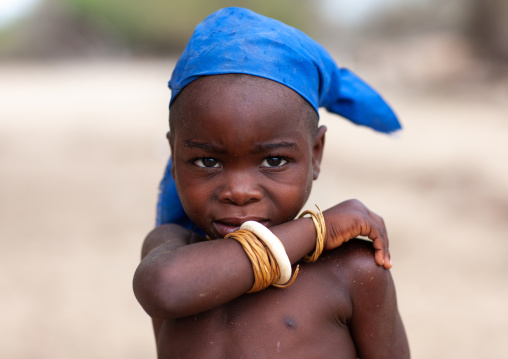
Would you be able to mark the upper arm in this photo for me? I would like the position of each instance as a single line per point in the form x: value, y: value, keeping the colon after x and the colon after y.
x: 171, y: 235
x: 160, y: 242
x: 183, y: 274
x: 376, y: 326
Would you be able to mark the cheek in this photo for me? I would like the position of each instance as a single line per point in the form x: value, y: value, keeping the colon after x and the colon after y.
x: 193, y: 195
x: 291, y: 197
x: 194, y: 201
x: 306, y: 187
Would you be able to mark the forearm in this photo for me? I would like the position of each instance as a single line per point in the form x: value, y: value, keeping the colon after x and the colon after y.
x: 177, y: 282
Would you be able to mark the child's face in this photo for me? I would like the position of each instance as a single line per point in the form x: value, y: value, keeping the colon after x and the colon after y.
x: 242, y: 150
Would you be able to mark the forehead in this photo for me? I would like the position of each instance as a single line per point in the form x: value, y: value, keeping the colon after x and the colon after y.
x: 240, y: 97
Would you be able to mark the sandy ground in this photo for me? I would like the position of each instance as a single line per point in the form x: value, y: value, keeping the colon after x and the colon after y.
x: 81, y: 152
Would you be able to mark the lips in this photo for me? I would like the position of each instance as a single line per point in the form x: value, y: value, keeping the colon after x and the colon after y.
x: 223, y: 229
x: 229, y: 225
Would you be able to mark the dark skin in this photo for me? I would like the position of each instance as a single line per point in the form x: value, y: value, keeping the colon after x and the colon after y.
x: 242, y: 150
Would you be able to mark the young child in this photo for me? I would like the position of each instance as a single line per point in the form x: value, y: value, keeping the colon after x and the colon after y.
x: 246, y: 146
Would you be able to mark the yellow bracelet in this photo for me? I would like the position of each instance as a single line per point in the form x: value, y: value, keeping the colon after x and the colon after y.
x: 275, y: 245
x: 319, y: 223
x: 264, y: 265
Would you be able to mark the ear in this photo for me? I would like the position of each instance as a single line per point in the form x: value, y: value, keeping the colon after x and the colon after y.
x: 171, y: 148
x: 317, y: 151
x: 170, y: 141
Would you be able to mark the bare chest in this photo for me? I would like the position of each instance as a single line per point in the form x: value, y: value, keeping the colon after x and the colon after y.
x: 309, y: 319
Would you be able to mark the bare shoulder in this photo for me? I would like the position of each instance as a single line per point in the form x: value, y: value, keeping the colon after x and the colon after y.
x: 367, y: 280
x: 347, y: 275
x: 354, y: 260
x: 375, y: 323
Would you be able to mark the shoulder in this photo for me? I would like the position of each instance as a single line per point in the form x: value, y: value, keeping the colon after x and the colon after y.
x: 374, y: 320
x: 355, y: 254
x: 349, y: 276
x: 353, y: 264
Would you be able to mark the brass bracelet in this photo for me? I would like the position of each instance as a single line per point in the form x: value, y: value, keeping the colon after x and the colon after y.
x: 264, y: 265
x: 276, y: 247
x: 319, y: 223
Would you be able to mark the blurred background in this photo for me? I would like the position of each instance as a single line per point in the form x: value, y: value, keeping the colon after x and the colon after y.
x: 83, y: 115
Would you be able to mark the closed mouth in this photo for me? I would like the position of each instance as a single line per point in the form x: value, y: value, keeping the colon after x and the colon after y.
x: 229, y: 225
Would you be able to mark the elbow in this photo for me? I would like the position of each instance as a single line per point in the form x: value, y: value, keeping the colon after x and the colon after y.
x: 155, y: 290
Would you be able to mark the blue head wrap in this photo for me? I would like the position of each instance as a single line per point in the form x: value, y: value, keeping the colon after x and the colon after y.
x: 236, y: 40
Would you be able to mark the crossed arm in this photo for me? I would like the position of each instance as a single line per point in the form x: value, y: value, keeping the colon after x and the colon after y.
x: 182, y: 274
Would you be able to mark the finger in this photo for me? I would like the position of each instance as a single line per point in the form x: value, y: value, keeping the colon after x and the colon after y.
x: 377, y: 243
x: 384, y: 236
x: 382, y: 227
x: 379, y: 256
x: 388, y: 261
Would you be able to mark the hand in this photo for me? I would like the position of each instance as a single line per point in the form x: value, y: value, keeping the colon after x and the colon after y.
x: 351, y: 219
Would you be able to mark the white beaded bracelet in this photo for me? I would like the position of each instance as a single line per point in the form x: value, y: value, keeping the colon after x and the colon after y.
x: 275, y: 246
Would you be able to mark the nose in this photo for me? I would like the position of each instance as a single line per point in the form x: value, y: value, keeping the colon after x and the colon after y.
x: 240, y: 188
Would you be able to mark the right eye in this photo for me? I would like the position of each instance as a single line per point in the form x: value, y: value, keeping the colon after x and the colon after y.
x: 206, y: 163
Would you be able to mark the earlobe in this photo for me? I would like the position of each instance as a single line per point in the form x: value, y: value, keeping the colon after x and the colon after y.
x: 317, y: 151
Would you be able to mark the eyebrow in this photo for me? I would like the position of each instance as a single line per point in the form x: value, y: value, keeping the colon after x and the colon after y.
x: 203, y: 146
x: 257, y: 148
x: 264, y: 147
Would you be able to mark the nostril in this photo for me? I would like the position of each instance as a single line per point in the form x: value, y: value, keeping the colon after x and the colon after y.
x: 240, y: 199
x: 240, y: 186
x: 241, y: 194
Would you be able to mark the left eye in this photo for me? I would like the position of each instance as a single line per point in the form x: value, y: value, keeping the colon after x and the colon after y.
x: 274, y: 162
x: 206, y: 162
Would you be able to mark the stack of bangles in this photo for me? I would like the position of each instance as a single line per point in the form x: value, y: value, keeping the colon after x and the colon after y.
x: 270, y: 263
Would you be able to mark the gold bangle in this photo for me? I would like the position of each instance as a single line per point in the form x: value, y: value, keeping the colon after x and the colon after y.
x: 276, y: 248
x: 319, y: 223
x: 264, y: 265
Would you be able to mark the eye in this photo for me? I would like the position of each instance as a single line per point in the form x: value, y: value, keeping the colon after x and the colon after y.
x: 206, y: 163
x: 274, y: 162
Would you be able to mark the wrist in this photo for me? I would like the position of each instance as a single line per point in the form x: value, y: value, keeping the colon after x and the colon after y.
x: 297, y: 236
x: 319, y: 224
